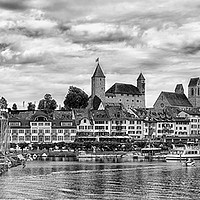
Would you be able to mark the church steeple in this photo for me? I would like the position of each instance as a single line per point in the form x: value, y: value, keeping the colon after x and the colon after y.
x: 98, y: 83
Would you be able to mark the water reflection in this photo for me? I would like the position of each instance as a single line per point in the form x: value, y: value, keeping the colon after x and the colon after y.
x: 73, y: 180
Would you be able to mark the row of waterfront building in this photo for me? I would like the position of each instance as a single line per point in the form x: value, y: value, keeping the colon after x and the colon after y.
x: 113, y: 123
x: 118, y: 114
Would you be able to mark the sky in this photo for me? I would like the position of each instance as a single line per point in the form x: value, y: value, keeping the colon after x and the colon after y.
x: 48, y: 45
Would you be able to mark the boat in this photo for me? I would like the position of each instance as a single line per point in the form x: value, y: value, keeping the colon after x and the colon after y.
x: 183, y: 154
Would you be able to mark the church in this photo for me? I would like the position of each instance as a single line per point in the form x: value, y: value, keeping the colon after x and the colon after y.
x: 128, y: 95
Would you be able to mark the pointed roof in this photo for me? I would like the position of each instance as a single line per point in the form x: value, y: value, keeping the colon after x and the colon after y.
x: 141, y: 77
x: 193, y: 82
x: 98, y: 72
x: 176, y: 99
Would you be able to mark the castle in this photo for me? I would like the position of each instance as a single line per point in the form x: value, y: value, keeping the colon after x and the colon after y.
x: 127, y: 94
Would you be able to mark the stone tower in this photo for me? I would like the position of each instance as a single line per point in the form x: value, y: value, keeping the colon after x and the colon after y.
x: 141, y: 87
x: 194, y: 92
x: 98, y: 83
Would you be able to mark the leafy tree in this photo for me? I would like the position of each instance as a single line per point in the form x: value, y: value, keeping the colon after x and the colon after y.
x: 76, y: 98
x: 14, y: 107
x: 47, y: 104
x: 31, y: 106
x: 3, y: 103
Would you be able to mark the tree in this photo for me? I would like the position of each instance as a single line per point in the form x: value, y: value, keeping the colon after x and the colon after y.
x: 14, y: 107
x: 47, y: 104
x: 3, y: 103
x: 76, y: 98
x: 31, y: 106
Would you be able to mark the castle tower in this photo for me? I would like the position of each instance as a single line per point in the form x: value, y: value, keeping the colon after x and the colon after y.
x: 194, y: 92
x: 141, y: 87
x: 98, y: 83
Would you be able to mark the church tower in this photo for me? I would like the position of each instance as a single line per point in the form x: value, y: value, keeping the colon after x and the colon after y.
x: 98, y: 83
x: 194, y: 92
x: 141, y: 87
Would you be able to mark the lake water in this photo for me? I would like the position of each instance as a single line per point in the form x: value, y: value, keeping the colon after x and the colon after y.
x: 74, y: 180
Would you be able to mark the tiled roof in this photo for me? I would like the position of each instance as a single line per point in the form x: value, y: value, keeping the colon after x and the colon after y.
x: 193, y: 82
x: 121, y: 88
x: 116, y: 112
x: 98, y: 72
x: 176, y: 99
x: 99, y: 115
x: 64, y: 115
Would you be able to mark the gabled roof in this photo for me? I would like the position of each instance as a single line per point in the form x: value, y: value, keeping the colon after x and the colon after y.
x: 176, y: 99
x: 121, y: 88
x: 81, y: 114
x: 193, y: 82
x: 98, y: 72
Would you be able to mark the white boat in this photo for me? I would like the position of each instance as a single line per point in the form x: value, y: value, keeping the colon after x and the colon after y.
x: 183, y: 154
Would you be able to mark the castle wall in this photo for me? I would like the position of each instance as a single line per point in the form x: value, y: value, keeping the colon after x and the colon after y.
x: 129, y: 101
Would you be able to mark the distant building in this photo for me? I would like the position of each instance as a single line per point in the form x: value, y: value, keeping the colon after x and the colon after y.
x: 194, y: 92
x: 127, y: 94
x: 175, y: 99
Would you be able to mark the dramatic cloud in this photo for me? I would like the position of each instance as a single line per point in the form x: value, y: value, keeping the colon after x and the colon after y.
x: 47, y: 45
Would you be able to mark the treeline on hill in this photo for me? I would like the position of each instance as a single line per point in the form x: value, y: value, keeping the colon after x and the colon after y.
x: 75, y: 98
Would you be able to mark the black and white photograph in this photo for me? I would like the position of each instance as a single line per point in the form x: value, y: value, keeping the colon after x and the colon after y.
x: 99, y: 99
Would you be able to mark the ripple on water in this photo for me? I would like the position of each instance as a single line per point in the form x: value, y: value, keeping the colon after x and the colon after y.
x: 62, y: 180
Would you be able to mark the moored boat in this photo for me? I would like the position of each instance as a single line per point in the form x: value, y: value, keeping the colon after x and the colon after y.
x: 183, y: 154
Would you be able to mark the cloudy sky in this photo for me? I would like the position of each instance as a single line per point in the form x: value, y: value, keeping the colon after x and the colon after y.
x: 48, y: 45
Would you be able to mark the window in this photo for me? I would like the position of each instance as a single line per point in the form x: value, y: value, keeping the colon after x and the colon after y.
x: 34, y: 124
x: 47, y: 138
x: 14, y: 131
x: 41, y: 131
x: 34, y: 138
x: 27, y: 138
x: 66, y: 123
x: 47, y: 131
x: 21, y: 131
x: 54, y: 137
x: 21, y: 138
x: 27, y: 131
x: 60, y: 131
x: 14, y: 123
x: 60, y: 138
x: 84, y: 121
x: 73, y: 131
x: 40, y: 124
x: 66, y: 131
x: 34, y: 131
x: 47, y: 124
x: 14, y: 138
x: 81, y: 127
x: 192, y: 92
